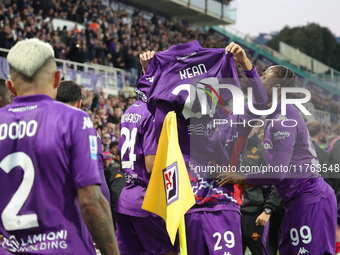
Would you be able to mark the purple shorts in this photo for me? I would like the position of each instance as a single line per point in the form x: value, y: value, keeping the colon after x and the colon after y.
x: 310, y: 229
x: 143, y: 235
x: 217, y: 233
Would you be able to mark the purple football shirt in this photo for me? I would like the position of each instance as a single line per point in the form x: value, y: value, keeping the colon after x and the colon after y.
x: 181, y: 79
x: 290, y: 148
x: 48, y: 151
x: 137, y: 140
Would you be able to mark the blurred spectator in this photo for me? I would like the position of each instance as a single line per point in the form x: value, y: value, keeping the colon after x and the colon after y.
x: 314, y: 127
x: 106, y: 140
x: 6, y: 96
x: 113, y: 149
x: 115, y: 37
x: 115, y: 180
x: 116, y: 115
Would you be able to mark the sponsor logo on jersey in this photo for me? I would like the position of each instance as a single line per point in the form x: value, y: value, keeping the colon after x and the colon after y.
x: 187, y: 56
x: 170, y: 175
x: 268, y: 145
x: 281, y: 135
x: 93, y: 147
x: 87, y: 123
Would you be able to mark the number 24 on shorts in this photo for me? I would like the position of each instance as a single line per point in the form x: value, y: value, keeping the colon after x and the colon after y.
x: 305, y: 234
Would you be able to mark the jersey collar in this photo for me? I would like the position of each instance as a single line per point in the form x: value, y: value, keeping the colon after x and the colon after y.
x: 31, y: 98
x: 184, y: 48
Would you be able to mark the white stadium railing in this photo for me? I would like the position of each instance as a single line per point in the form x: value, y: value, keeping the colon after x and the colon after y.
x: 93, y: 76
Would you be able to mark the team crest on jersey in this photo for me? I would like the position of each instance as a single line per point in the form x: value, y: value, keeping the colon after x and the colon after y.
x: 170, y: 175
x: 93, y: 147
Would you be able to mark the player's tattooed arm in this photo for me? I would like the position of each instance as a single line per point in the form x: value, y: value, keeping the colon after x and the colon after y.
x: 97, y: 216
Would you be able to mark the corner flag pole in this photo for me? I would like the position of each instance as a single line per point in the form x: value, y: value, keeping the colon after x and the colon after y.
x: 182, y: 237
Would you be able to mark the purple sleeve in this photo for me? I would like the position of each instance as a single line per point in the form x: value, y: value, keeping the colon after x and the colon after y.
x: 84, y: 163
x: 284, y: 139
x: 149, y: 139
x: 260, y: 99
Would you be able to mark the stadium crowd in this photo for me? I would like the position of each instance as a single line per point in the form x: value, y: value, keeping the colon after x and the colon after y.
x: 115, y: 37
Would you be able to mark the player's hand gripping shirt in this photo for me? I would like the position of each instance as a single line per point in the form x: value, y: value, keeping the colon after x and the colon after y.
x: 190, y: 80
x: 48, y: 151
x: 137, y: 140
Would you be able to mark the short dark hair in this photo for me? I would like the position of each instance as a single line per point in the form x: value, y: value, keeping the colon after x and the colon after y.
x: 68, y: 92
x: 115, y: 143
x: 314, y: 127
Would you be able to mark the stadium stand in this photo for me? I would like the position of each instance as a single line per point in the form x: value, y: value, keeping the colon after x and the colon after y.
x: 114, y: 34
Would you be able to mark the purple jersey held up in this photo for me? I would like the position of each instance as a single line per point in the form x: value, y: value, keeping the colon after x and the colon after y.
x: 48, y: 151
x: 137, y: 140
x: 186, y: 79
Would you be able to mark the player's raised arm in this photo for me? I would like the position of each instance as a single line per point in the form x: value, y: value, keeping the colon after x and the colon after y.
x: 260, y: 98
x: 97, y: 216
x: 239, y: 56
x: 145, y: 58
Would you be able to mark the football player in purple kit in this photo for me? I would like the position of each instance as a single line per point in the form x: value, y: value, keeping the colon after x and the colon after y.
x: 213, y: 224
x: 49, y: 178
x: 139, y: 231
x: 309, y: 225
x: 69, y: 92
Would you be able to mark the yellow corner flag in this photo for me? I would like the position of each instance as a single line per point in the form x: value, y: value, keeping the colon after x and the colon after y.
x: 169, y: 193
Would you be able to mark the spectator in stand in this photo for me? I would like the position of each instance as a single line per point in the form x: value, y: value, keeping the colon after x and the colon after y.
x: 106, y: 140
x: 116, y: 116
x: 132, y: 65
x: 6, y: 37
x: 315, y: 128
x: 6, y: 96
x: 111, y: 128
x: 114, y: 149
x: 115, y: 180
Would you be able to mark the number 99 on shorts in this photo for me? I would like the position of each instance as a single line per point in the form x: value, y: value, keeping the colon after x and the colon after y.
x: 303, y: 235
